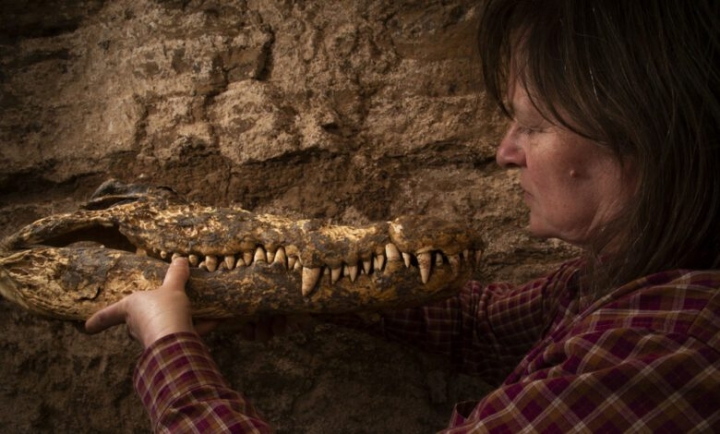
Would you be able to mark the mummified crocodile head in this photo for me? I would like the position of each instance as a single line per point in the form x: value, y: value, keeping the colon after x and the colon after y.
x: 242, y: 264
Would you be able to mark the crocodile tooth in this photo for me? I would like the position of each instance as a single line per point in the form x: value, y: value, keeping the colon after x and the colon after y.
x: 353, y: 272
x: 292, y: 260
x: 175, y: 256
x: 310, y: 277
x: 203, y: 265
x: 466, y: 254
x: 478, y: 258
x: 163, y: 254
x: 366, y: 266
x: 280, y: 257
x: 407, y: 258
x: 438, y: 259
x: 392, y: 252
x: 193, y: 260
x: 270, y: 255
x: 424, y: 261
x: 260, y: 255
x: 297, y: 265
x: 454, y: 261
x: 335, y: 274
x: 211, y: 262
x: 229, y: 262
x: 247, y: 257
x: 379, y: 262
x: 141, y: 252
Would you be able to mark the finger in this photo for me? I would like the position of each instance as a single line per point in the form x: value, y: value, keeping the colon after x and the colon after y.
x: 177, y: 274
x: 103, y: 319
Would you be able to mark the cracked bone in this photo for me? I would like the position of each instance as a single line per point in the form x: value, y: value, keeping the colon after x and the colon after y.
x: 73, y: 280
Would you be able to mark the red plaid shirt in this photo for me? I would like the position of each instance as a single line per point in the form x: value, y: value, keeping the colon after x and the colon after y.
x: 644, y: 358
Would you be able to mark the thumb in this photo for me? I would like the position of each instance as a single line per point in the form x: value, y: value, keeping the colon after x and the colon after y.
x: 177, y: 275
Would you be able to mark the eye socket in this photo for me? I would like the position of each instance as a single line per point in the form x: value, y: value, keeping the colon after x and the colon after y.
x: 527, y: 131
x: 110, y: 237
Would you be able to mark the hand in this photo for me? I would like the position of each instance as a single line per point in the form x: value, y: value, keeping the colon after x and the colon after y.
x: 151, y: 315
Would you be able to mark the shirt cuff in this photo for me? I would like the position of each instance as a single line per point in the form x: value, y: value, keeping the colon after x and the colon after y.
x: 170, y: 368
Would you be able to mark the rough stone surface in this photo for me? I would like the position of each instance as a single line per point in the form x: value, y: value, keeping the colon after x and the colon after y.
x: 354, y: 111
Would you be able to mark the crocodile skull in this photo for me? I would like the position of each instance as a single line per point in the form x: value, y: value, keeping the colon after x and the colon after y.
x: 242, y: 264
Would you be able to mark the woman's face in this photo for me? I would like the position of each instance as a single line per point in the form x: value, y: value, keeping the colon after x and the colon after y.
x: 572, y: 185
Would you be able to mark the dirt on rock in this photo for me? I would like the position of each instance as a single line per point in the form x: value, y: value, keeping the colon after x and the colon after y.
x: 352, y: 111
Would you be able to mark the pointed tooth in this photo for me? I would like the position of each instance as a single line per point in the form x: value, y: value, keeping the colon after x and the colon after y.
x: 310, y: 277
x: 407, y: 258
x: 203, y: 265
x: 141, y: 252
x: 270, y: 255
x: 424, y: 262
x: 379, y: 262
x: 438, y: 259
x: 478, y: 258
x: 392, y: 252
x: 353, y: 272
x: 297, y: 265
x: 366, y: 266
x: 260, y: 255
x: 335, y: 274
x: 292, y: 260
x: 229, y: 262
x: 175, y: 256
x: 280, y: 257
x: 247, y: 257
x: 211, y: 262
x: 346, y: 270
x: 163, y: 254
x: 193, y: 260
x: 466, y: 254
x: 455, y: 262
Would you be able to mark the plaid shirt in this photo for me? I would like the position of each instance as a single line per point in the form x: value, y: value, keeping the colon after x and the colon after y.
x: 183, y: 391
x: 644, y: 358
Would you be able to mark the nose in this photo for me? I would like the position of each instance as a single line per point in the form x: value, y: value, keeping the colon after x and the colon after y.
x: 510, y: 154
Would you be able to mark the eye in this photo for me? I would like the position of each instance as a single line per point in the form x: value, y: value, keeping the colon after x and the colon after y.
x: 526, y: 131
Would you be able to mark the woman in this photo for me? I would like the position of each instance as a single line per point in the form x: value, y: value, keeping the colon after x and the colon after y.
x: 614, y: 115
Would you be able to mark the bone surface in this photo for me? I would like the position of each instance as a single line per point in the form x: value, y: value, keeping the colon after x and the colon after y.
x: 242, y: 264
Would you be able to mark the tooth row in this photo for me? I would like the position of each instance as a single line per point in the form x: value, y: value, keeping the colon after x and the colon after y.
x: 425, y: 262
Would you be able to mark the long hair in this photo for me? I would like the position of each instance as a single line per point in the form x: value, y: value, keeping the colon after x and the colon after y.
x: 639, y: 78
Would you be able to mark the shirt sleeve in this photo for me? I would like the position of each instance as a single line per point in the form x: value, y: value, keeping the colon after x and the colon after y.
x: 612, y: 381
x: 484, y: 329
x: 183, y: 390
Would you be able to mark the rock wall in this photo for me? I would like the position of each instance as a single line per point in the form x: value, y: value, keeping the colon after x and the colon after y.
x: 354, y: 111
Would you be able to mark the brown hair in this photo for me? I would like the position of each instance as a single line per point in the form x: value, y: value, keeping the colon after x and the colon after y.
x: 640, y: 78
